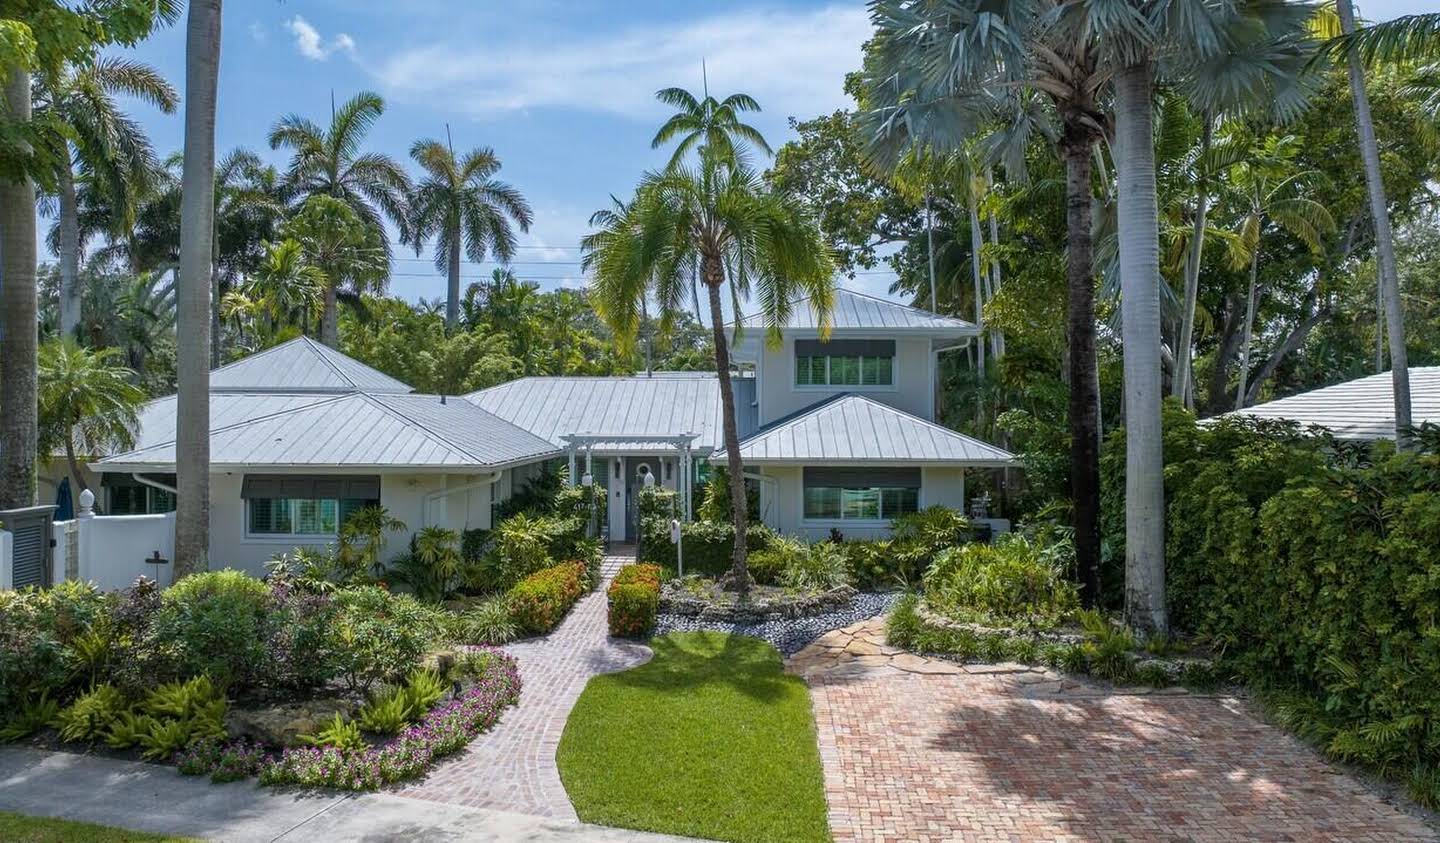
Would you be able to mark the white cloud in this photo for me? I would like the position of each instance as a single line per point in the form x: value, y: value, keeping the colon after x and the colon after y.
x: 791, y: 61
x: 312, y: 46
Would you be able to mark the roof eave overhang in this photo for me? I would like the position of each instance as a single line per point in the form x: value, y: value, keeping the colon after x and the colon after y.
x: 934, y: 463
x: 119, y: 467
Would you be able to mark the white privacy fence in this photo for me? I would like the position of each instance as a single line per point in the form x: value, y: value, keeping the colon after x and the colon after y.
x: 112, y: 550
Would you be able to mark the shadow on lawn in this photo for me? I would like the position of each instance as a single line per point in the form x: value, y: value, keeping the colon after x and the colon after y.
x: 688, y: 660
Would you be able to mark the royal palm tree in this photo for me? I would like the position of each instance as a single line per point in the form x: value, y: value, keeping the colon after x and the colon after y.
x: 108, y: 147
x: 193, y: 311
x: 707, y: 123
x: 88, y: 403
x: 754, y: 243
x: 330, y: 162
x: 463, y: 206
x: 19, y: 326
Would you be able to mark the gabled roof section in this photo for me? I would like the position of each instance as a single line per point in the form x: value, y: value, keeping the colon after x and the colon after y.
x: 858, y: 311
x: 356, y: 430
x: 552, y: 407
x: 1360, y: 409
x: 851, y: 429
x: 302, y: 365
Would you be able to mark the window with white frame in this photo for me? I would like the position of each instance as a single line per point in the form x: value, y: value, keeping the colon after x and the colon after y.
x: 859, y: 494
x: 304, y: 505
x: 845, y: 363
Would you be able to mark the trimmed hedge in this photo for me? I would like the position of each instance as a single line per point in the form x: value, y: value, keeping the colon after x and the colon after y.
x: 539, y: 602
x: 634, y: 600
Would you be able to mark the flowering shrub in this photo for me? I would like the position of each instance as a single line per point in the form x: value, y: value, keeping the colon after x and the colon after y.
x: 446, y: 729
x: 634, y: 600
x: 222, y: 761
x: 540, y: 601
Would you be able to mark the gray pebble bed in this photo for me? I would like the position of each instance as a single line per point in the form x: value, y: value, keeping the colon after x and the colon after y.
x: 788, y: 636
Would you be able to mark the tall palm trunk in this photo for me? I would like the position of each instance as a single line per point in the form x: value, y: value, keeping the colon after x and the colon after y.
x: 452, y: 290
x: 19, y: 328
x: 977, y: 244
x: 1140, y: 325
x: 214, y: 310
x: 998, y: 336
x: 1184, y: 346
x: 330, y: 316
x: 1084, y: 389
x: 1247, y: 331
x: 1384, y: 240
x: 739, y: 577
x: 69, y: 250
x: 193, y: 311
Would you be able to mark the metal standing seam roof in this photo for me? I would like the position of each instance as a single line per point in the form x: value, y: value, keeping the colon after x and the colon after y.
x: 851, y: 429
x: 552, y: 407
x: 302, y: 365
x: 1363, y: 408
x: 358, y: 430
x: 859, y: 311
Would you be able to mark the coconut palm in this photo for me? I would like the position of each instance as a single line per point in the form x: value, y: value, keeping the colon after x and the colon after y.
x: 284, y: 291
x: 745, y: 239
x: 462, y: 206
x: 347, y: 250
x: 193, y: 311
x: 88, y: 403
x: 109, y: 148
x: 330, y: 162
x: 708, y: 123
x: 19, y: 332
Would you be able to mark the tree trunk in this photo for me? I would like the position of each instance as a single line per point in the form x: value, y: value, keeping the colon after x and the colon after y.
x: 214, y: 313
x: 1184, y: 346
x: 1247, y: 331
x: 930, y: 249
x: 739, y: 577
x: 977, y: 244
x: 452, y: 286
x: 1384, y: 240
x: 1218, y: 391
x: 193, y: 311
x: 19, y: 326
x: 998, y: 336
x: 69, y: 251
x: 1140, y: 320
x: 1084, y: 408
x: 75, y: 473
x: 330, y: 317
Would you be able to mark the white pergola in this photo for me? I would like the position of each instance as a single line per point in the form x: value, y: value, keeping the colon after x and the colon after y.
x: 682, y: 443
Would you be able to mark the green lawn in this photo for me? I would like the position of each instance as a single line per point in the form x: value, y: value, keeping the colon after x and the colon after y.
x: 709, y: 739
x: 17, y: 828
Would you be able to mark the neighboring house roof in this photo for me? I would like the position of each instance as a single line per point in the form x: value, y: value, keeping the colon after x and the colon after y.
x: 354, y: 430
x: 1360, y: 409
x: 553, y: 407
x: 856, y: 311
x: 851, y: 429
x: 302, y: 365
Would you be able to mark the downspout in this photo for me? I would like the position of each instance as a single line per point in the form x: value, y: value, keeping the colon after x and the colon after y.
x: 433, y: 497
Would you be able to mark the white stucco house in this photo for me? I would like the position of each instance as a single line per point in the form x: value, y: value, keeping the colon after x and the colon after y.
x: 837, y: 434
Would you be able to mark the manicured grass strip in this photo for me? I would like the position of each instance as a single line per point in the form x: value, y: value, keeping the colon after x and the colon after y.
x: 17, y: 828
x: 709, y: 739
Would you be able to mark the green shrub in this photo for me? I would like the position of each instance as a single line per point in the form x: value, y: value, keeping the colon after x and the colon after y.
x: 489, y: 621
x: 33, y: 716
x: 181, y: 700
x: 540, y: 601
x: 768, y: 564
x: 128, y: 729
x: 874, y: 565
x: 37, y: 629
x: 1014, y: 581
x: 917, y: 538
x: 382, y: 636
x: 386, y: 713
x: 214, y: 623
x: 634, y: 600
x: 520, y: 547
x: 90, y: 715
x: 423, y: 689
x: 708, y: 545
x: 339, y: 734
x: 822, y: 566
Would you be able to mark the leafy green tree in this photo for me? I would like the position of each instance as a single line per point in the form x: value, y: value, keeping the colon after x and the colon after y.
x: 462, y: 206
x: 349, y: 252
x: 88, y: 403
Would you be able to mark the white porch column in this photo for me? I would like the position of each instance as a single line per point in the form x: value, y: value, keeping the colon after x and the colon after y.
x: 570, y: 454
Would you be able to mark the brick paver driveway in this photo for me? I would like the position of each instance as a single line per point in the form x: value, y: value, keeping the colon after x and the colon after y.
x: 512, y: 768
x: 922, y: 750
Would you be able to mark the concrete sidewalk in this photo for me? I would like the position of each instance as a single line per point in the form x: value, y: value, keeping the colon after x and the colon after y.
x: 149, y: 797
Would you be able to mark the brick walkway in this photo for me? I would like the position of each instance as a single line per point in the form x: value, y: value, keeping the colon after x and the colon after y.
x: 512, y: 768
x: 924, y: 750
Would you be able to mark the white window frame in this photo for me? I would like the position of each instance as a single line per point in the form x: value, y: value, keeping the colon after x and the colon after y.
x: 892, y: 386
x: 854, y: 522
x: 290, y: 538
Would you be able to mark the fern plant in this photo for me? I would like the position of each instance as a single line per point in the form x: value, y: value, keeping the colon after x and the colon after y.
x: 180, y: 700
x: 423, y: 689
x: 33, y: 716
x: 386, y: 714
x: 128, y: 729
x: 91, y: 714
x: 338, y: 733
x: 165, y: 738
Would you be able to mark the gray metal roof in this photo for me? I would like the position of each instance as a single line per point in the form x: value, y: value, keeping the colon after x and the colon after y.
x: 301, y: 365
x: 857, y: 311
x: 852, y: 429
x: 613, y: 406
x: 352, y: 430
x: 1360, y: 409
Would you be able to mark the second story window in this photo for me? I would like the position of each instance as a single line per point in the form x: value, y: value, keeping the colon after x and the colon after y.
x: 845, y: 363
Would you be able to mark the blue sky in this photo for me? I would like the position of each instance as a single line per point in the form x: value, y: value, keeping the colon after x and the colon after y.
x: 562, y: 91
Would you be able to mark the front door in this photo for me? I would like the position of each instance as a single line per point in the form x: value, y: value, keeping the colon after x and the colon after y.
x: 619, y: 503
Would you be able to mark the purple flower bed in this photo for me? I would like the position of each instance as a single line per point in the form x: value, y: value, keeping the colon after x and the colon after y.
x: 443, y: 730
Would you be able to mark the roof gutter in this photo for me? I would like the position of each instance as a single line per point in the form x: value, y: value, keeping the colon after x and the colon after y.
x: 145, y: 481
x: 435, y: 497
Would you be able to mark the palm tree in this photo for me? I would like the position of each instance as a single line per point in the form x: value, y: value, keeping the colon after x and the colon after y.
x: 88, y: 403
x: 19, y: 326
x: 720, y: 218
x: 197, y: 230
x: 462, y: 206
x: 708, y: 123
x: 109, y: 148
x: 348, y: 251
x: 329, y: 162
x: 1272, y: 191
x: 284, y: 290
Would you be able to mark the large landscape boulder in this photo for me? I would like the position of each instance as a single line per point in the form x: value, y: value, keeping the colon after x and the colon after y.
x: 283, y: 724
